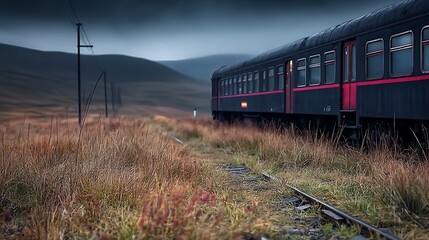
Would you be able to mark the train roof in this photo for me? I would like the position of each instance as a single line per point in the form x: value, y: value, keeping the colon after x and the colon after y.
x: 379, y: 18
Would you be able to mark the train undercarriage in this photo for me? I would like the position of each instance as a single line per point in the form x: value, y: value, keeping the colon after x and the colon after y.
x: 356, y: 129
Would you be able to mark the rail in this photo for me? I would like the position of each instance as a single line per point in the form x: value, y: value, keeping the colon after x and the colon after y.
x: 368, y: 227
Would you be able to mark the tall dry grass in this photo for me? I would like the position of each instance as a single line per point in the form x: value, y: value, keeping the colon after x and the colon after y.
x: 117, y: 179
x: 405, y: 189
x: 380, y: 180
x: 103, y: 159
x: 289, y: 147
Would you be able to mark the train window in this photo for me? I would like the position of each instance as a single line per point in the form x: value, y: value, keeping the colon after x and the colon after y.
x: 230, y: 86
x: 240, y: 85
x: 222, y: 88
x: 235, y: 85
x: 244, y: 83
x: 375, y: 59
x: 330, y: 67
x: 301, y: 69
x: 249, y: 82
x: 314, y: 70
x: 226, y: 87
x: 401, y: 54
x: 256, y: 77
x: 425, y: 49
x: 281, y: 77
x: 271, y: 79
x: 264, y: 81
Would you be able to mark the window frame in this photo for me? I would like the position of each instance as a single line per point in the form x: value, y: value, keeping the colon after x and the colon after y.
x: 319, y: 66
x: 264, y: 80
x: 225, y: 85
x: 426, y: 42
x: 244, y: 81
x: 281, y: 73
x: 256, y: 81
x: 353, y: 62
x: 250, y: 82
x: 235, y: 85
x: 305, y: 71
x: 240, y: 85
x: 395, y: 49
x: 330, y: 62
x: 374, y: 54
x: 231, y: 87
x: 273, y: 77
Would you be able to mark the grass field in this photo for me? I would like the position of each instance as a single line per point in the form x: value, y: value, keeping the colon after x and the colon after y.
x: 124, y: 178
x: 384, y: 186
x: 115, y: 179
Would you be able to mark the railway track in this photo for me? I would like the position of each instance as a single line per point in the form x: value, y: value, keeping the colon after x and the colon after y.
x: 338, y: 215
x: 304, y: 201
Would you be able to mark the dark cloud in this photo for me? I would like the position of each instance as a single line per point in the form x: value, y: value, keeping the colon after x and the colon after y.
x: 150, y: 11
x: 169, y: 29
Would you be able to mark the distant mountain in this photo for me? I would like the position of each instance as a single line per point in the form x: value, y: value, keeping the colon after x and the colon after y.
x: 40, y: 83
x: 202, y: 68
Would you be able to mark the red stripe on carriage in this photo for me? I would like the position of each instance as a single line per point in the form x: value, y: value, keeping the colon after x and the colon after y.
x: 392, y: 80
x: 359, y: 84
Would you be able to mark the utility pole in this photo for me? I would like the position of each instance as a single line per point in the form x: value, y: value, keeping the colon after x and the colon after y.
x: 78, y: 73
x: 105, y: 94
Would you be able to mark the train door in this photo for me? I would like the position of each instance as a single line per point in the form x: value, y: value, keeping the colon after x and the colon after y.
x: 288, y: 88
x: 348, y: 94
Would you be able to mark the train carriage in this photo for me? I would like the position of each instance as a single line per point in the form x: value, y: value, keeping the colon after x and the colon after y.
x: 371, y: 69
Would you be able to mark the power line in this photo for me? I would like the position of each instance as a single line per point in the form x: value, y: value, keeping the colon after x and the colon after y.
x: 87, y: 44
x: 85, y: 37
x: 75, y: 20
x: 73, y: 13
x: 78, y: 73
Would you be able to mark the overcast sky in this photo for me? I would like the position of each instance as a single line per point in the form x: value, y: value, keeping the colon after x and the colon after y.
x: 173, y: 29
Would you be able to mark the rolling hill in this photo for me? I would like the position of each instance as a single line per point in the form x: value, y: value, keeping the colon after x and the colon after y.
x: 202, y: 68
x: 38, y: 83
